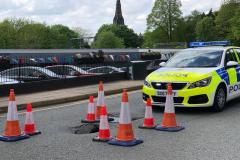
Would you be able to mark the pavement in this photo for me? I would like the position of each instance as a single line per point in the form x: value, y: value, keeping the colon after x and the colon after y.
x: 69, y: 95
x: 208, y: 135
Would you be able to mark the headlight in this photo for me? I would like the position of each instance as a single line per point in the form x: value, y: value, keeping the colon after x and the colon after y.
x: 201, y: 83
x: 147, y: 84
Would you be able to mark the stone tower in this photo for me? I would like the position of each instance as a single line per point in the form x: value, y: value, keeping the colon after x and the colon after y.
x: 118, y: 18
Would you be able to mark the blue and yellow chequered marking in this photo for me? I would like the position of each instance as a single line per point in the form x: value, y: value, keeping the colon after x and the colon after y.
x: 230, y: 76
x: 238, y: 73
x: 224, y: 75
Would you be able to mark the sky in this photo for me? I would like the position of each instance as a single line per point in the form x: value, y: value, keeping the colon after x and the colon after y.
x: 91, y: 14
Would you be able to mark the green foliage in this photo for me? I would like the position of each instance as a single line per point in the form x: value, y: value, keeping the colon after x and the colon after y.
x: 129, y: 37
x: 26, y: 34
x: 7, y: 35
x: 206, y: 30
x: 165, y: 14
x: 61, y: 37
x: 224, y: 18
x: 154, y: 37
x: 33, y: 36
x: 214, y: 25
x: 108, y: 39
x: 236, y: 27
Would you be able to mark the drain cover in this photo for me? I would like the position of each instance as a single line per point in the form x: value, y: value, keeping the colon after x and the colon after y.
x: 85, y: 129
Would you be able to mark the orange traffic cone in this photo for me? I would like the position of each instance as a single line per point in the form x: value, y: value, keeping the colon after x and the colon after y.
x: 90, y: 117
x: 125, y: 135
x: 169, y: 122
x: 148, y: 122
x: 100, y: 100
x: 12, y: 131
x: 104, y: 130
x: 30, y: 127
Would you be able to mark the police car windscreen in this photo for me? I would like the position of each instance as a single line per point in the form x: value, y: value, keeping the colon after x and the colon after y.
x: 196, y: 59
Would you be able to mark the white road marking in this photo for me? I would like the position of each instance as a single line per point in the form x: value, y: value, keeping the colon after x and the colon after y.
x: 68, y: 104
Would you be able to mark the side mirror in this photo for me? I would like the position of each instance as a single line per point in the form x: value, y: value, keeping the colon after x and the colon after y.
x: 232, y: 64
x: 162, y: 64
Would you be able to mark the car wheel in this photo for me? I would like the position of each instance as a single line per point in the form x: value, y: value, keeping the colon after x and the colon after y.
x: 220, y: 99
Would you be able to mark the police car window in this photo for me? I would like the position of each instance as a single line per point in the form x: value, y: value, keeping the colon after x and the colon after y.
x: 231, y: 56
x: 238, y: 52
x: 196, y: 59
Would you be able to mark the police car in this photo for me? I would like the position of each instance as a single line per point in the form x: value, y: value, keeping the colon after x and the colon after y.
x: 200, y: 77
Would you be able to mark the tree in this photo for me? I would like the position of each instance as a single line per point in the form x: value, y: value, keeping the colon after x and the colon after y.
x: 165, y: 14
x: 154, y: 37
x: 129, y: 37
x: 33, y: 36
x: 224, y: 18
x: 62, y: 37
x: 205, y: 29
x: 7, y: 36
x: 108, y: 40
x: 236, y: 27
x: 190, y: 25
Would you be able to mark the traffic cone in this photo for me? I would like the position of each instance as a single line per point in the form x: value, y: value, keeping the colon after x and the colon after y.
x: 169, y: 122
x: 125, y: 135
x: 148, y: 122
x: 104, y: 130
x: 30, y: 127
x: 12, y: 131
x: 100, y: 100
x: 90, y: 117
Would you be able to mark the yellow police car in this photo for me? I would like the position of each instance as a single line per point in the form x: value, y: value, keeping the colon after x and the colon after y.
x: 200, y: 77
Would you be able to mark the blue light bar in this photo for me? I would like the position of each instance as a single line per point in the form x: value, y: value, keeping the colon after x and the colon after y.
x: 205, y: 44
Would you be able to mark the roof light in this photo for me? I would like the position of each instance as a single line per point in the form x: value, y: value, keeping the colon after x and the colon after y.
x: 205, y: 44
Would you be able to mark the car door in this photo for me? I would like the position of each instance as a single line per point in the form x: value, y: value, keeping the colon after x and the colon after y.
x: 233, y: 88
x: 237, y: 51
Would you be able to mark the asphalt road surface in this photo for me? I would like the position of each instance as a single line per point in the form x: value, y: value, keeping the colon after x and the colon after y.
x: 207, y: 136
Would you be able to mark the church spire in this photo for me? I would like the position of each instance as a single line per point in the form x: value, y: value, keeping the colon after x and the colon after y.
x: 118, y: 19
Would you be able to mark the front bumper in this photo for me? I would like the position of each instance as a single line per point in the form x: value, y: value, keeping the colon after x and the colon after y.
x: 198, y: 97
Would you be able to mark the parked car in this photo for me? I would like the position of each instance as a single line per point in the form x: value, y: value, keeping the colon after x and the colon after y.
x: 29, y: 73
x: 105, y: 70
x: 4, y: 80
x: 68, y: 70
x: 85, y: 68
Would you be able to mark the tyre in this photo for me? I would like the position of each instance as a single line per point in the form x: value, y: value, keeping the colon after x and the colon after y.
x: 220, y: 99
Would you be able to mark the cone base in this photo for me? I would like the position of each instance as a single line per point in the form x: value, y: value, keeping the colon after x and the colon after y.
x: 34, y: 133
x: 13, y: 139
x: 97, y: 139
x: 169, y: 129
x: 146, y: 127
x: 125, y: 143
x: 87, y: 121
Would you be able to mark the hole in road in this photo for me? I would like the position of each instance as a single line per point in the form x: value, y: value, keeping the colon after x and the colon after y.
x: 134, y: 116
x: 85, y: 129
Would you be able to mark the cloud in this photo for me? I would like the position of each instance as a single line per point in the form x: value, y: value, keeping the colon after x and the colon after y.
x: 91, y: 14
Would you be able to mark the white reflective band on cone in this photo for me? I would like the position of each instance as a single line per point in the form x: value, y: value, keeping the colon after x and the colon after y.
x: 125, y: 117
x: 148, y: 113
x: 100, y: 101
x: 29, y: 118
x: 12, y: 111
x: 91, y: 108
x: 104, y: 123
x: 169, y: 106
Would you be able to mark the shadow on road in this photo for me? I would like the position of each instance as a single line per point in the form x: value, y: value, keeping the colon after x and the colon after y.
x: 184, y: 110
